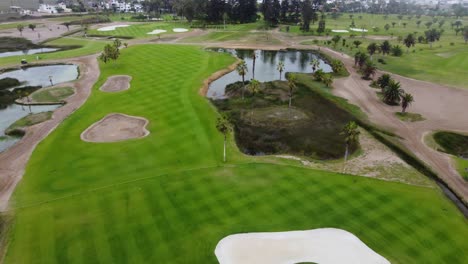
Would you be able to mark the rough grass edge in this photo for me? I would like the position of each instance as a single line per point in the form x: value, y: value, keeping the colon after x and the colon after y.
x: 382, y: 134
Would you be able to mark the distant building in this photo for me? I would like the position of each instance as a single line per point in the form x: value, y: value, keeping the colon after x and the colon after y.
x: 53, y: 9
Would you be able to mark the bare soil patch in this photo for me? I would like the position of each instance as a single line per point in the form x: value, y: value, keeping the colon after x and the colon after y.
x: 116, y: 127
x: 116, y: 83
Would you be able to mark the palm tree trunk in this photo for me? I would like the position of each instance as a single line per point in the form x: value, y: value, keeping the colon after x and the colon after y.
x: 345, y: 157
x: 290, y: 99
x: 243, y: 87
x: 253, y: 68
x: 224, y: 151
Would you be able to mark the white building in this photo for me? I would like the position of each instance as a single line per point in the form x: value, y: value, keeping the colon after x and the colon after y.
x: 53, y: 9
x: 123, y: 7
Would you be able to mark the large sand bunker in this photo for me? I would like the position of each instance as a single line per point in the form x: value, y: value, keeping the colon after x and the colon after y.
x: 179, y: 30
x: 111, y: 28
x: 157, y: 31
x: 116, y: 127
x: 324, y: 246
x: 116, y: 83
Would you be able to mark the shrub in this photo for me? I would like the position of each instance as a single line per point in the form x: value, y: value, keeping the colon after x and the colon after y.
x: 397, y: 51
x: 6, y: 83
x: 382, y: 61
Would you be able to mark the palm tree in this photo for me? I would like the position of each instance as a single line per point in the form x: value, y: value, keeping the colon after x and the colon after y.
x: 406, y: 100
x: 372, y: 48
x: 223, y: 126
x: 253, y: 55
x: 384, y: 80
x: 409, y: 41
x: 291, y: 86
x: 242, y: 71
x: 319, y: 75
x: 328, y: 80
x: 337, y: 66
x: 393, y: 92
x: 385, y: 47
x: 20, y: 29
x: 351, y: 133
x: 280, y: 68
x: 254, y: 88
x: 315, y: 63
x: 369, y: 70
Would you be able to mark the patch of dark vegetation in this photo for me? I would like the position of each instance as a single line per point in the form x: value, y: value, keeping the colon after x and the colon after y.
x: 16, y: 44
x: 452, y: 143
x: 8, y: 97
x: 15, y: 132
x: 5, y: 224
x: 6, y: 83
x: 109, y: 37
x: 264, y: 124
x: 89, y: 20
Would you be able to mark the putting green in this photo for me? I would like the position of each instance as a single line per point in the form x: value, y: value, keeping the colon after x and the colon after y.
x: 168, y: 198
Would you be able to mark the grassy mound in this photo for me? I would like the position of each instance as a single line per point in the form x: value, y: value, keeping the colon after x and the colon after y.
x: 265, y: 125
x: 14, y: 44
x: 16, y: 129
x: 169, y: 198
x: 409, y: 117
x: 452, y: 143
x: 53, y: 95
x: 456, y: 145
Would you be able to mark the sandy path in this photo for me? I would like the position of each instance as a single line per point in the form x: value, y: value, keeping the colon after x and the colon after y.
x: 13, y: 161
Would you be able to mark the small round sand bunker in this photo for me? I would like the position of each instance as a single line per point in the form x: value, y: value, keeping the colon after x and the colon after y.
x: 116, y: 83
x: 116, y: 127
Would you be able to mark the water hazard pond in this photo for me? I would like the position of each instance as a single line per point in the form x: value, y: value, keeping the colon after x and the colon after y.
x: 26, y: 52
x: 31, y: 76
x: 263, y: 122
x: 266, y: 67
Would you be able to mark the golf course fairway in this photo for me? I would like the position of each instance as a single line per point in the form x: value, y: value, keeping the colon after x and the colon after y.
x: 169, y: 198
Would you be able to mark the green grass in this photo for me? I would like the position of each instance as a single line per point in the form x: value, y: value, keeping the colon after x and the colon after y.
x: 462, y: 166
x: 140, y: 30
x: 30, y: 120
x: 454, y: 144
x: 87, y: 47
x: 409, y: 117
x: 168, y: 198
x: 53, y: 95
x: 442, y: 64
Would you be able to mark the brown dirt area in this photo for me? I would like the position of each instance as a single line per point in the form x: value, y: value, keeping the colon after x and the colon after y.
x: 116, y: 127
x: 116, y: 83
x: 45, y: 29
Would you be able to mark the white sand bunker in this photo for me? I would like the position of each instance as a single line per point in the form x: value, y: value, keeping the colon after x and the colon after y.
x: 358, y: 29
x: 116, y: 83
x: 110, y: 28
x: 340, y: 31
x: 116, y: 127
x: 323, y: 246
x: 157, y: 31
x: 178, y: 30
